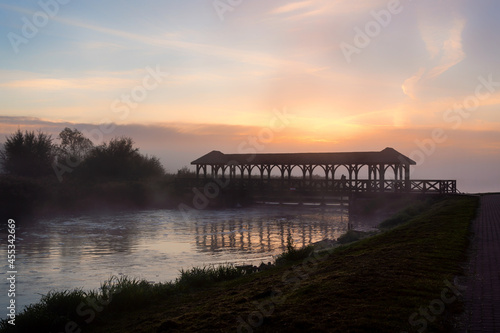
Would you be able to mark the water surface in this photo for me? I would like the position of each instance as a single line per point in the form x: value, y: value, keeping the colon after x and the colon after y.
x: 83, y: 251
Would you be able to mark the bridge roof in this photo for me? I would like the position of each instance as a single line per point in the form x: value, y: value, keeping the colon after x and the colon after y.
x: 386, y: 156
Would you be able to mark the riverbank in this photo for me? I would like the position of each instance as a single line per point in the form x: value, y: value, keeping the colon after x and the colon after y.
x: 397, y: 280
x: 24, y: 198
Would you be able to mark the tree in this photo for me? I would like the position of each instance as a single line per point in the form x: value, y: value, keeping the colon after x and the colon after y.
x: 119, y: 160
x: 150, y: 167
x: 30, y: 154
x: 185, y: 172
x: 74, y: 146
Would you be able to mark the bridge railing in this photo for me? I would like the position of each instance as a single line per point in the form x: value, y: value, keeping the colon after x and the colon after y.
x: 323, y: 185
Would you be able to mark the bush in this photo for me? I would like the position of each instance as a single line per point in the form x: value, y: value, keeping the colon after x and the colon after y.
x: 293, y: 254
x: 197, y: 277
x: 28, y: 154
x: 119, y: 160
x: 56, y: 309
x: 350, y: 236
x: 51, y: 314
x: 126, y: 294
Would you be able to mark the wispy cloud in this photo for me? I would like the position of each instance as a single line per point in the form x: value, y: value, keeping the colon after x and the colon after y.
x: 445, y: 49
x: 452, y: 49
x: 311, y: 8
x: 291, y: 7
x: 94, y: 83
x: 95, y: 45
x: 224, y: 52
x: 172, y: 41
x: 410, y: 85
x: 16, y: 9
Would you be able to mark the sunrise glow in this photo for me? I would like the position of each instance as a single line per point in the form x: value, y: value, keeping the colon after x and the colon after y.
x: 186, y: 77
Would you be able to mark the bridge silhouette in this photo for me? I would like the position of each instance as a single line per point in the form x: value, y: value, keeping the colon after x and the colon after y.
x: 313, y: 177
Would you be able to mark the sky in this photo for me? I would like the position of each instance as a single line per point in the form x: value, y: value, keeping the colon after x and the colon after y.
x: 183, y: 78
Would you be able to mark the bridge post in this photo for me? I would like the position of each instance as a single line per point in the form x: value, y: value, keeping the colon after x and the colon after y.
x: 382, y: 177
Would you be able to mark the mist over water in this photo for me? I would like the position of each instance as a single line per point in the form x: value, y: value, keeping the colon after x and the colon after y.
x: 83, y: 251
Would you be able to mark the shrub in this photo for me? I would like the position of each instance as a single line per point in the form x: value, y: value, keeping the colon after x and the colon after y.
x: 293, y: 254
x: 350, y: 236
x: 28, y: 154
x: 197, y: 277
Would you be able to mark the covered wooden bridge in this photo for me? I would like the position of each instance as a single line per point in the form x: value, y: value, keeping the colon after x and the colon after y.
x: 326, y: 173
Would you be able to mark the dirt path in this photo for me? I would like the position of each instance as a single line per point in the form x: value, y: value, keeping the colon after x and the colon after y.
x: 482, y: 299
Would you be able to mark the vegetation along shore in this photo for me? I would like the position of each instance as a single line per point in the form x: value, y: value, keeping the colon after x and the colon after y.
x: 41, y: 175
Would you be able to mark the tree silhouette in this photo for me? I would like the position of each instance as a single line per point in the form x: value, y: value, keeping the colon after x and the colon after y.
x: 185, y: 172
x: 119, y: 160
x: 30, y: 154
x: 74, y: 146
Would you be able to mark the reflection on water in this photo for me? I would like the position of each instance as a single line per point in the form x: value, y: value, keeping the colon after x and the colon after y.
x: 264, y: 234
x: 83, y: 251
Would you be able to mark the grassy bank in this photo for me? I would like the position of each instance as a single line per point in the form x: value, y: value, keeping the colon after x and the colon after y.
x: 385, y: 283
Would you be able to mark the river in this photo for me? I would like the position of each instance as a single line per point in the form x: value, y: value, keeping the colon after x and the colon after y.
x: 83, y: 251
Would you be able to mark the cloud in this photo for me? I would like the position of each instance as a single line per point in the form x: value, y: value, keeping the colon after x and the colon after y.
x: 174, y: 41
x: 410, y: 85
x: 163, y: 41
x: 452, y: 50
x: 177, y: 144
x: 327, y: 8
x: 94, y: 83
x: 291, y: 7
x: 445, y: 48
x: 162, y: 135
